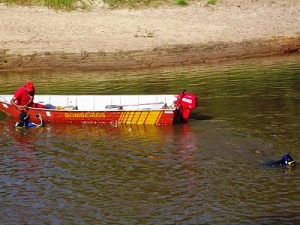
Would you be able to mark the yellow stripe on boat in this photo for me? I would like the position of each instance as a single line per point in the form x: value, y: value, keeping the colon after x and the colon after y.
x: 130, y: 117
x: 153, y: 117
x: 135, y: 117
x: 142, y: 118
x: 123, y: 117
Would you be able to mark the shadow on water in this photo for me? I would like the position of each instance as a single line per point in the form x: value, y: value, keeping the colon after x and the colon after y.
x: 201, y: 114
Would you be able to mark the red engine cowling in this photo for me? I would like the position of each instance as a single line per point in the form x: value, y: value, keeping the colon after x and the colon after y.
x: 185, y: 104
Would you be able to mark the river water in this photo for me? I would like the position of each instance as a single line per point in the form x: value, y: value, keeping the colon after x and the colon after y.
x: 209, y: 171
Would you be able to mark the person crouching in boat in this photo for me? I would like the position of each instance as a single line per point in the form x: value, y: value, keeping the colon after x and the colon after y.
x: 23, y: 97
x: 25, y: 122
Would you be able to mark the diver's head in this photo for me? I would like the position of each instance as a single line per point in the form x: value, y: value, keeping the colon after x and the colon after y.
x: 288, y: 160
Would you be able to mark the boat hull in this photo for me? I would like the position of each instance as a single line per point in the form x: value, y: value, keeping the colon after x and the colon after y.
x: 153, y: 117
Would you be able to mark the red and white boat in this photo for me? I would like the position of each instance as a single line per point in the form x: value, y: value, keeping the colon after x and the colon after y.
x: 119, y: 109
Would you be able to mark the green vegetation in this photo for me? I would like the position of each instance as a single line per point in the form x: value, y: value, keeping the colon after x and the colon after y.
x: 55, y: 4
x: 135, y: 3
x: 211, y: 2
x: 181, y: 2
x: 85, y: 4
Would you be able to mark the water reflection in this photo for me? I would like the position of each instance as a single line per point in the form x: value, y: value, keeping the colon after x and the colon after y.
x: 20, y: 174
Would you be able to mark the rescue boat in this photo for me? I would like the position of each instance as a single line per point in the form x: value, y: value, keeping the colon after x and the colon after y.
x: 119, y: 109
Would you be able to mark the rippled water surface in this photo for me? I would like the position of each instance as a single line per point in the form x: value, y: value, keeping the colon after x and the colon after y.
x: 208, y: 171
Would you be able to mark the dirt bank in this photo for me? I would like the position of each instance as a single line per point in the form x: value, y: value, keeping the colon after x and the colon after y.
x: 39, y: 38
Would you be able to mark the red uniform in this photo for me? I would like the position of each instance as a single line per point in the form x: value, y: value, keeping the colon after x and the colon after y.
x: 22, y: 96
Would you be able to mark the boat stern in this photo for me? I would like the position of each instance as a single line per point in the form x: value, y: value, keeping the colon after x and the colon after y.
x: 185, y: 104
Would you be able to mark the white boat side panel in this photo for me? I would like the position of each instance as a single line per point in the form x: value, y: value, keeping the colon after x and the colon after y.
x: 84, y: 102
x: 6, y: 98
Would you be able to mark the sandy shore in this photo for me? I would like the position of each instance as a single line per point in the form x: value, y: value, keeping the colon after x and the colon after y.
x: 40, y: 38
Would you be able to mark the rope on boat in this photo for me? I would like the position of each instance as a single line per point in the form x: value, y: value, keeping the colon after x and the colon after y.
x: 120, y: 107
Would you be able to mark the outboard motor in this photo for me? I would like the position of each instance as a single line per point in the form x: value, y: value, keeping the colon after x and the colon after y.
x: 185, y: 104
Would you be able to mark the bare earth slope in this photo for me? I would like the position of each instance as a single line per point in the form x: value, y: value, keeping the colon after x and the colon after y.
x: 40, y: 38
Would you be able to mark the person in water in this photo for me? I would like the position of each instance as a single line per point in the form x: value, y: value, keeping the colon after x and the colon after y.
x: 286, y: 161
x: 26, y: 123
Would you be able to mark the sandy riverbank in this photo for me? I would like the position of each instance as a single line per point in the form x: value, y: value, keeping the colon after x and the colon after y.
x: 40, y: 38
